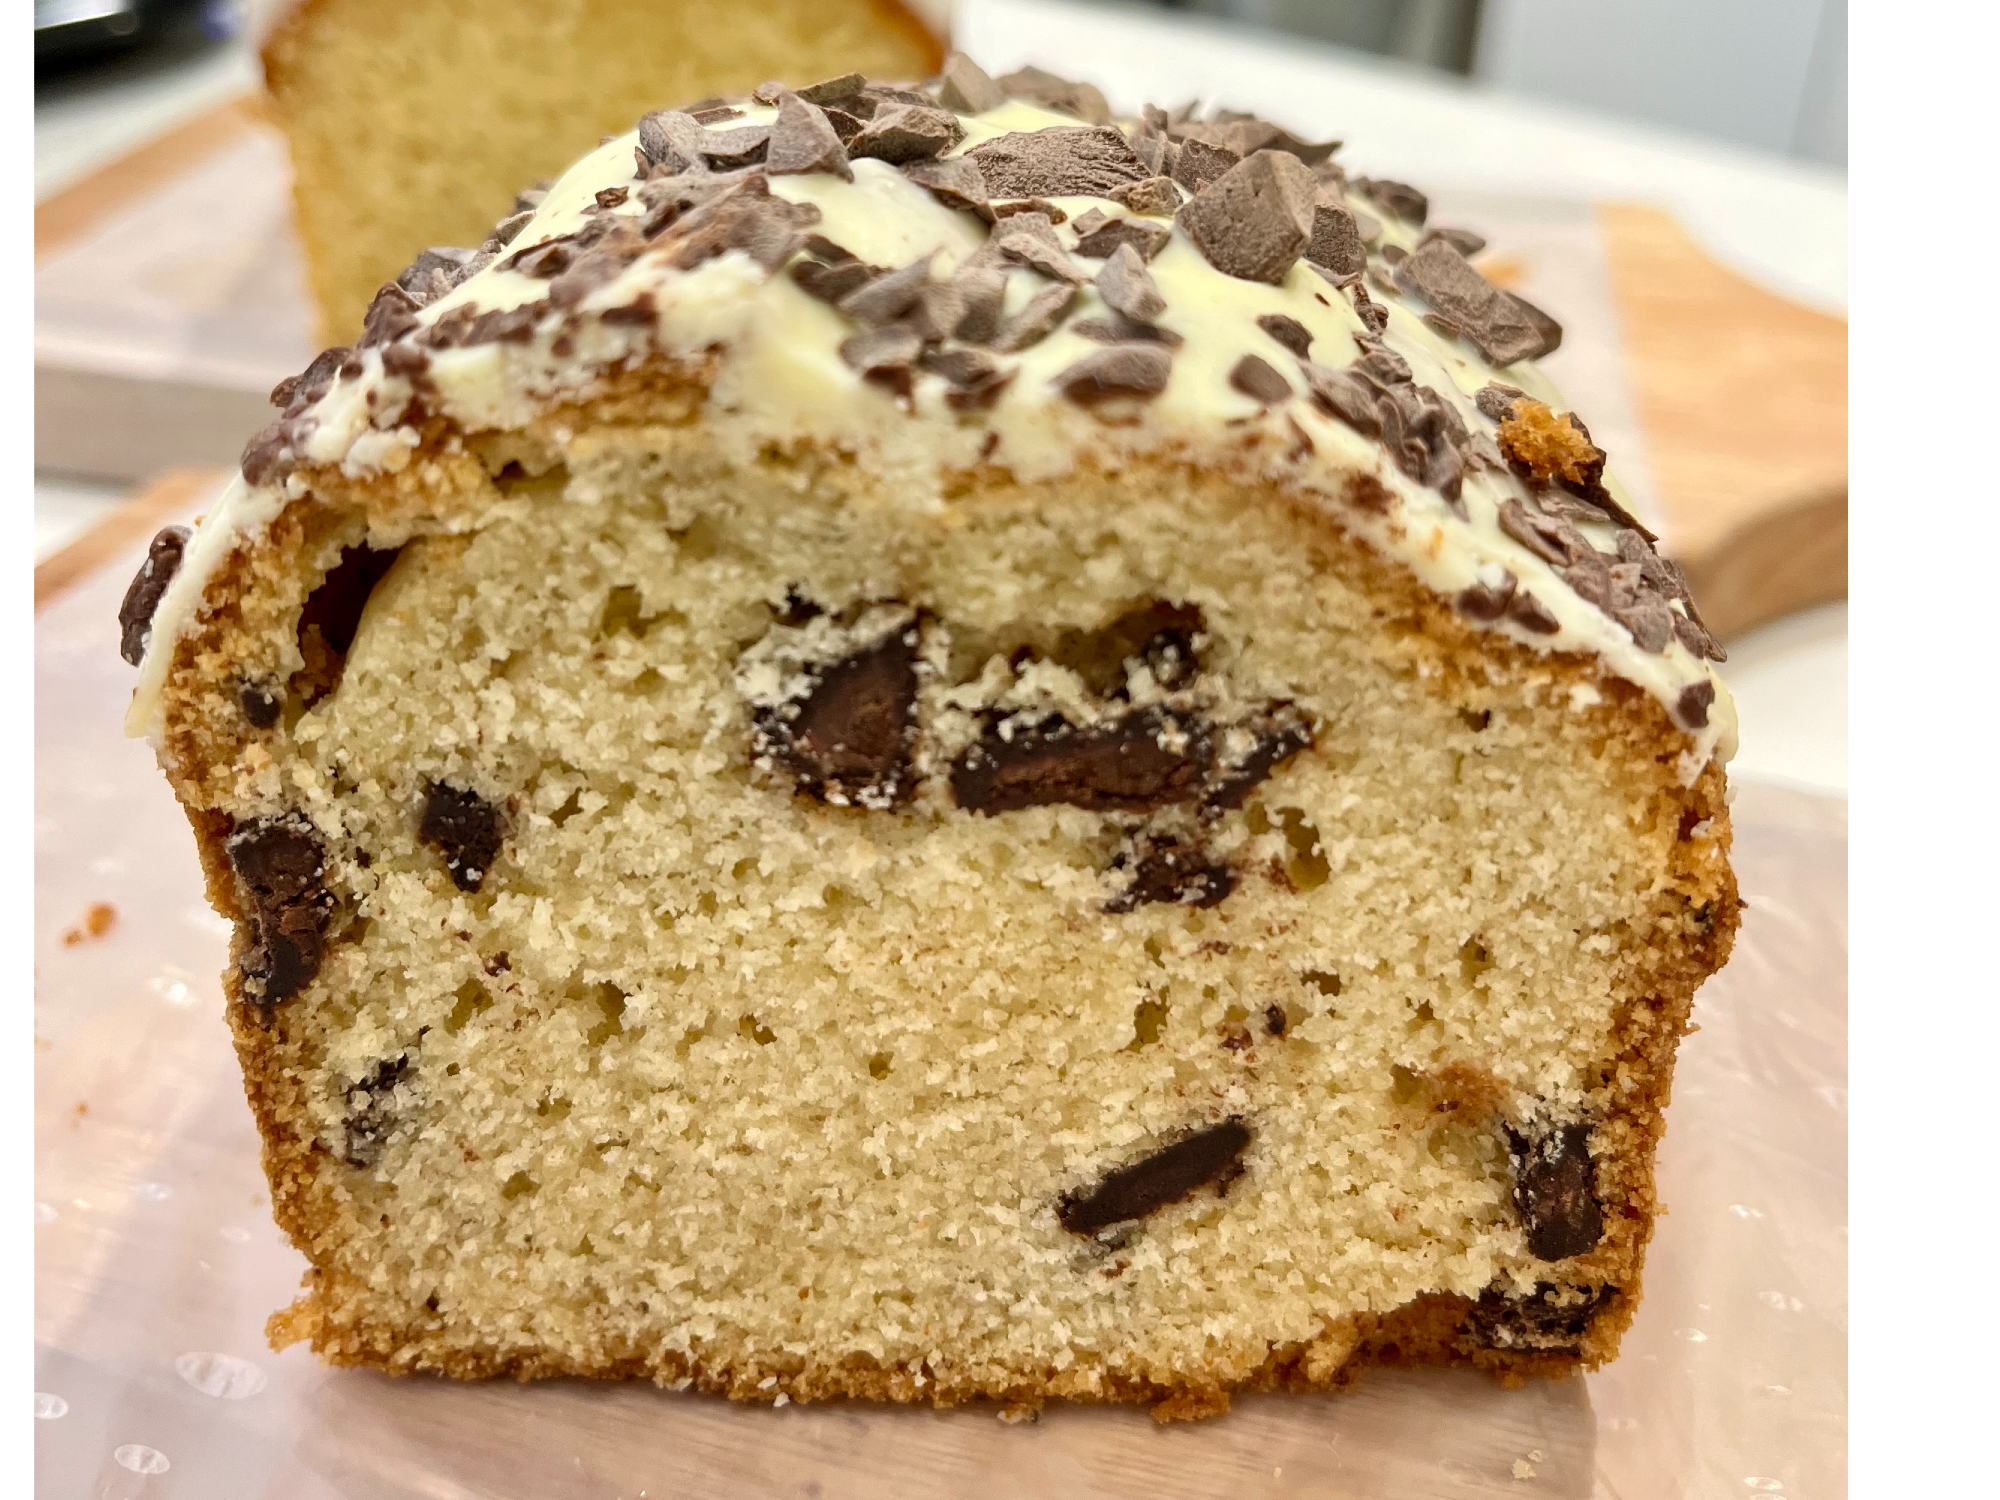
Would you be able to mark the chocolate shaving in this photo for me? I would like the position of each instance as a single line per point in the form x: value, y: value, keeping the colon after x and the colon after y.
x: 1254, y: 221
x: 1063, y: 161
x: 955, y: 181
x: 964, y: 86
x: 1398, y: 198
x: 1127, y: 287
x: 1104, y: 239
x: 1491, y: 318
x: 1377, y: 397
x: 975, y: 377
x: 1288, y: 331
x: 392, y: 314
x: 803, y: 140
x: 1532, y: 615
x: 746, y: 217
x: 1122, y: 370
x: 886, y: 351
x: 1213, y: 1155
x: 148, y: 586
x: 906, y: 133
x: 1487, y: 602
x: 1259, y: 381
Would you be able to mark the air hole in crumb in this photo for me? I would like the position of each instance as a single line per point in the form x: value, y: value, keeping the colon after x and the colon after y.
x: 1475, y: 719
x: 756, y: 1030
x: 570, y: 808
x: 517, y: 1186
x: 1307, y: 867
x: 648, y: 681
x: 1149, y: 1020
x: 1323, y: 980
x: 471, y: 999
x: 552, y: 1107
x: 611, y: 1002
x: 584, y: 1247
x: 625, y: 609
x: 1473, y: 960
x: 706, y: 903
x: 880, y: 1064
x: 1404, y: 1086
x: 332, y: 615
x: 688, y: 1038
x: 1423, y: 1017
x: 700, y: 541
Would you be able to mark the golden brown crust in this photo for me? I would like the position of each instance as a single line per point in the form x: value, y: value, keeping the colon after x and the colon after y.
x: 1694, y: 919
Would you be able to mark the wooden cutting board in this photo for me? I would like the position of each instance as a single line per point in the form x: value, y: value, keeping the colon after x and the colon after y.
x: 1741, y: 394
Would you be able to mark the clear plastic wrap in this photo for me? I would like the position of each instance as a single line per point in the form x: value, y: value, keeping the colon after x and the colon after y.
x: 157, y: 1263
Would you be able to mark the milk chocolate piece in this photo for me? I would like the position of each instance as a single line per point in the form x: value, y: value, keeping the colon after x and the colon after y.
x: 148, y: 586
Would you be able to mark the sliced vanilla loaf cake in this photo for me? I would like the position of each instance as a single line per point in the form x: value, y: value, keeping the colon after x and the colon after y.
x: 919, y: 743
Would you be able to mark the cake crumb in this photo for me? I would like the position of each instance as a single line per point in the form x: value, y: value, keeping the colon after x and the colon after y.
x: 96, y: 922
x: 1524, y: 1468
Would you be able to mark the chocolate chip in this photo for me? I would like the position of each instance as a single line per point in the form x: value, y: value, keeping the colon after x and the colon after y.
x: 465, y: 828
x: 885, y: 298
x: 1555, y: 1190
x: 260, y: 704
x: 955, y: 181
x: 804, y: 140
x: 1399, y: 198
x: 1198, y: 163
x: 834, y: 90
x: 1491, y: 318
x: 906, y: 133
x: 1249, y: 751
x: 1029, y: 239
x: 1138, y: 762
x: 849, y: 738
x: 1464, y: 241
x: 1487, y: 602
x: 1550, y: 1320
x: 1275, y: 1020
x: 280, y: 871
x: 148, y: 586
x: 1127, y: 287
x: 295, y: 393
x: 746, y: 217
x: 1104, y: 240
x: 1156, y: 197
x: 1122, y: 370
x: 1038, y: 86
x: 1255, y: 220
x: 1036, y: 320
x: 1256, y: 379
x: 1211, y: 1155
x: 964, y: 86
x: 332, y: 615
x: 976, y: 378
x: 268, y: 456
x: 371, y: 1111
x: 1693, y: 704
x: 1336, y: 239
x: 1168, y: 871
x: 1062, y: 161
x: 1290, y: 332
x: 1532, y: 615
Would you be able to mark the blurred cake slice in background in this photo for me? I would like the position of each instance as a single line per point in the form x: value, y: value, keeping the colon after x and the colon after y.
x: 415, y: 122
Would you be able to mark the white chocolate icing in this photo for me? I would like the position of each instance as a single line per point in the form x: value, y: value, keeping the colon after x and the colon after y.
x: 779, y: 378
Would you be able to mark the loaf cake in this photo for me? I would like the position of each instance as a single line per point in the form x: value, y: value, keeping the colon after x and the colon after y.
x: 922, y: 743
x: 414, y: 122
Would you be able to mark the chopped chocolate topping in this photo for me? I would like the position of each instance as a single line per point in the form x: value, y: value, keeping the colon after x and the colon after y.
x: 1127, y: 287
x: 1496, y: 400
x: 1039, y: 87
x: 1138, y: 762
x: 1487, y: 602
x: 371, y: 1111
x: 955, y: 181
x: 612, y: 197
x: 1115, y: 328
x: 830, y: 273
x: 1249, y: 752
x: 1256, y: 379
x: 268, y: 456
x: 1377, y: 397
x: 1034, y: 322
x: 1532, y: 615
x: 295, y: 393
x: 1168, y: 871
x: 435, y: 272
x: 849, y: 738
x: 260, y: 703
x: 1288, y: 331
x: 407, y: 360
x: 1212, y: 1155
x: 804, y: 140
x: 280, y: 872
x: 1693, y: 705
x: 1336, y: 240
x: 392, y: 314
x: 1157, y: 197
x: 1006, y: 208
x: 747, y: 218
x: 1491, y: 318
x: 1059, y: 162
x: 1029, y: 239
x: 965, y: 87
x: 884, y: 354
x: 148, y: 586
x: 976, y: 378
x: 1464, y: 241
x: 332, y: 615
x: 1104, y: 240
x: 1398, y: 198
x: 465, y: 828
x: 1122, y: 370
x: 504, y: 232
x: 1555, y: 1190
x: 1255, y: 220
x: 1552, y: 1320
x: 885, y: 298
x: 834, y: 90
x: 982, y: 293
x: 1198, y: 163
x: 1371, y: 312
x: 908, y: 132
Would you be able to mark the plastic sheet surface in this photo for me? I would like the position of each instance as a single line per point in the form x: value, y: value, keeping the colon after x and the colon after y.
x: 157, y: 1263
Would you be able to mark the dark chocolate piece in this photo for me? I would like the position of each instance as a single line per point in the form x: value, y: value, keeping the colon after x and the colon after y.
x: 1555, y: 1190
x: 1551, y: 1320
x: 465, y: 828
x: 1336, y: 238
x: 148, y: 586
x: 1138, y: 762
x: 955, y: 181
x: 371, y: 1111
x: 261, y: 703
x: 1255, y: 220
x: 1033, y: 323
x: 1487, y: 602
x: 1198, y: 163
x: 1212, y: 1155
x: 1168, y: 871
x: 280, y: 870
x: 850, y: 738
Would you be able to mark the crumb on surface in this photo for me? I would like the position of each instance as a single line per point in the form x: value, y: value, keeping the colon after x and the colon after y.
x: 97, y: 921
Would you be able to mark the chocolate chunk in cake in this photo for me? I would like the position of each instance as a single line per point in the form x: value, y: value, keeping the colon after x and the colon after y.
x: 847, y: 730
x: 1555, y: 1190
x: 465, y: 828
x: 280, y: 868
x: 1212, y: 1156
x: 1138, y: 762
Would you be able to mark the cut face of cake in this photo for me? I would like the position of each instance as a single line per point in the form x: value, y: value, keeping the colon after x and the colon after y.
x: 416, y: 122
x: 922, y: 744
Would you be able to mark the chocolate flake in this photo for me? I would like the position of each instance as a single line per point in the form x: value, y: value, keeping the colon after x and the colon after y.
x: 1212, y: 1155
x: 1487, y: 602
x: 834, y: 90
x: 148, y: 586
x: 1163, y: 870
x: 885, y: 298
x: 1127, y: 287
x: 955, y: 181
x: 849, y: 739
x: 1139, y: 370
x: 465, y: 828
x: 803, y: 140
x: 746, y: 217
x: 1555, y: 1190
x: 975, y: 377
x: 1138, y: 762
x: 1198, y: 163
x: 1464, y: 241
x: 1254, y: 221
x: 1496, y: 400
x: 1377, y: 397
x: 280, y: 868
x: 1038, y: 86
x: 1259, y: 381
x: 1491, y: 318
x: 1532, y: 615
x: 964, y: 86
x: 1115, y: 328
x: 884, y: 353
x: 1063, y: 161
x: 1104, y: 239
x: 1029, y: 239
x: 1288, y: 331
x: 1398, y: 198
x: 907, y: 133
x: 1034, y: 322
